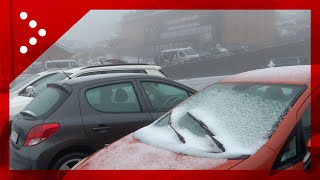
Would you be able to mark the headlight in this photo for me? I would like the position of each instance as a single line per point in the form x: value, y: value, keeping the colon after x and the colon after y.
x: 76, y: 165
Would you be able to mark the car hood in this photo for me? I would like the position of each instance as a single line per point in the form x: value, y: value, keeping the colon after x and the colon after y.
x: 129, y: 153
x: 18, y: 103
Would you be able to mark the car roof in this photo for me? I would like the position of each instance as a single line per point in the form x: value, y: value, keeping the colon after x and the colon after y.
x: 106, y: 77
x: 73, y: 70
x: 297, y: 75
x: 48, y: 72
x: 113, y: 67
x: 124, y: 66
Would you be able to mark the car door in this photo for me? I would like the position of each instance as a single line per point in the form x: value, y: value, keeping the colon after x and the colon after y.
x: 161, y: 95
x: 294, y: 155
x: 112, y: 110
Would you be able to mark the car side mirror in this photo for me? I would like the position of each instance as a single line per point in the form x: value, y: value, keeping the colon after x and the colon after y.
x: 30, y: 92
x: 29, y: 88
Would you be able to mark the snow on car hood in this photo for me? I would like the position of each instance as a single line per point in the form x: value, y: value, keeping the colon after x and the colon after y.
x: 129, y: 153
x: 18, y: 103
x: 241, y: 123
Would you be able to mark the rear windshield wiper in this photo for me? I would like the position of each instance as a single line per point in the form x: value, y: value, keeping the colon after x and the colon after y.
x: 28, y: 113
x: 206, y: 129
x: 179, y: 135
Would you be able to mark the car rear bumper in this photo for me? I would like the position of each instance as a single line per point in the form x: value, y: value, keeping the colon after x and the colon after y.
x: 18, y: 162
x: 26, y: 159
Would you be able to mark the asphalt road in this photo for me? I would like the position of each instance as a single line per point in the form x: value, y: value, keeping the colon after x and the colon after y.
x: 200, y: 83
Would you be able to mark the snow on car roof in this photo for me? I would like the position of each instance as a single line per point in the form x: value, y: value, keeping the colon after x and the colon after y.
x: 279, y: 75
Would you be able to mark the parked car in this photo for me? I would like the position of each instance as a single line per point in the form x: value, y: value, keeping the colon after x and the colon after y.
x: 215, y: 53
x: 257, y: 120
x: 182, y: 54
x: 38, y: 86
x: 19, y: 88
x: 288, y: 61
x: 73, y: 118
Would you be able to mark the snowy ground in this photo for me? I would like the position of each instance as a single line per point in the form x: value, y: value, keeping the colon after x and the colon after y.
x: 200, y: 83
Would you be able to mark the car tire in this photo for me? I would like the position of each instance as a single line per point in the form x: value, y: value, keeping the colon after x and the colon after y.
x: 67, y: 161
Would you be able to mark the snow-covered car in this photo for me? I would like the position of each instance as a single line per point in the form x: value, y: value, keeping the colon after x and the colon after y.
x: 257, y: 120
x: 17, y: 104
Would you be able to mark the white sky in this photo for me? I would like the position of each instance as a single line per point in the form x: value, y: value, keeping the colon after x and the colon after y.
x: 96, y: 25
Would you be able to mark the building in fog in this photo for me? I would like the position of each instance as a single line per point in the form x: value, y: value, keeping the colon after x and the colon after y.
x: 56, y: 51
x: 147, y: 33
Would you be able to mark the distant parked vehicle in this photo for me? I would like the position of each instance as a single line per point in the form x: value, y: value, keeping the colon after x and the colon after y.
x: 73, y: 118
x: 215, y: 53
x: 182, y: 54
x: 239, y: 49
x: 61, y: 64
x: 288, y: 61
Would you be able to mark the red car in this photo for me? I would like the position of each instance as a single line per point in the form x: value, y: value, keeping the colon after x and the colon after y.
x: 257, y: 120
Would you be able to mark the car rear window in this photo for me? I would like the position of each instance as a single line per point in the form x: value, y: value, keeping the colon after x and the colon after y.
x: 47, y: 102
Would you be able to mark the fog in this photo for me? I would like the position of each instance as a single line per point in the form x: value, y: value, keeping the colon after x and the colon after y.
x: 96, y: 25
x: 100, y: 25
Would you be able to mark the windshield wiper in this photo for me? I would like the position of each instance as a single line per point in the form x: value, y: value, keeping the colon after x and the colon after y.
x: 179, y: 135
x: 28, y: 113
x: 206, y: 129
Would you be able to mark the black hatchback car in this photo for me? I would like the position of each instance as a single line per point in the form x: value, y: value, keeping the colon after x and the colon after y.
x: 73, y: 118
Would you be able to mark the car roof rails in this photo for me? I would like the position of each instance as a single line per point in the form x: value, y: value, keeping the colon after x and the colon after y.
x: 107, y: 65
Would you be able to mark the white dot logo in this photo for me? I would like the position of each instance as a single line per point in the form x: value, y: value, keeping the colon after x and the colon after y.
x: 42, y: 32
x: 33, y: 24
x: 33, y: 41
x: 23, y: 49
x: 23, y: 15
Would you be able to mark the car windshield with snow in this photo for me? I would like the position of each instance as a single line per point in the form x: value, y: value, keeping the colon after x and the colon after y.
x: 226, y: 120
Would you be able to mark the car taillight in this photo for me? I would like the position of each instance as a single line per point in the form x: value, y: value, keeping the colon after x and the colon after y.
x: 40, y: 133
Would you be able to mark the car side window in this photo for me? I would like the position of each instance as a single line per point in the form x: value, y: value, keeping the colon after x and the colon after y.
x: 293, y: 151
x: 181, y: 54
x: 306, y: 123
x: 38, y: 82
x: 115, y: 98
x: 164, y: 97
x: 73, y: 64
x: 290, y: 150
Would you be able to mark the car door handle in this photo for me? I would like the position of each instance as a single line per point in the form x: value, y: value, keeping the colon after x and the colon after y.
x: 101, y: 129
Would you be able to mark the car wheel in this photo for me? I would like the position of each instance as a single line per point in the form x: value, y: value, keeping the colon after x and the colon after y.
x: 67, y: 161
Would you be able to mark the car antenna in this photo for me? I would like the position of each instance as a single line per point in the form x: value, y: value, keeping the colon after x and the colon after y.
x: 59, y: 67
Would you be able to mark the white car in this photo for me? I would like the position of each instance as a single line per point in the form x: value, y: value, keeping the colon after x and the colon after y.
x: 18, y: 103
x: 20, y: 88
x: 182, y: 54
